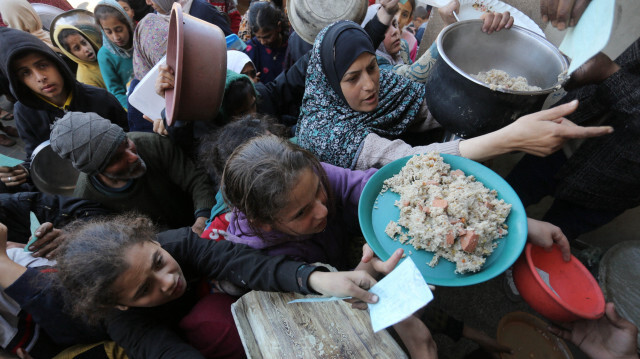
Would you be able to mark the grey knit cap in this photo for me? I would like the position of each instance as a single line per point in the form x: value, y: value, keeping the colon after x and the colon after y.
x: 86, y: 139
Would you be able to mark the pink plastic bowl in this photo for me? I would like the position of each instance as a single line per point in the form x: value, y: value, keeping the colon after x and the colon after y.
x: 578, y: 294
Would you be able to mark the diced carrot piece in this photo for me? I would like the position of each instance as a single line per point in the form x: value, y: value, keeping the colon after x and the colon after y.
x: 440, y: 203
x: 469, y: 241
x: 433, y: 182
x: 457, y: 173
x: 488, y: 205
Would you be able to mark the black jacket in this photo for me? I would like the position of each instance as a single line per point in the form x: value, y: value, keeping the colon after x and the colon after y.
x: 34, y: 117
x: 59, y: 210
x: 204, y: 11
x: 150, y: 332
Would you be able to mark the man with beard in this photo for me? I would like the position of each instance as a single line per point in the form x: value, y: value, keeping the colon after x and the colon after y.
x: 133, y: 171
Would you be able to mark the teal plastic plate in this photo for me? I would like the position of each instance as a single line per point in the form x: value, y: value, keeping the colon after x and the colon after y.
x: 376, y: 210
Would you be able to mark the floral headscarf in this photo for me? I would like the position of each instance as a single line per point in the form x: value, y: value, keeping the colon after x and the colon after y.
x: 328, y: 126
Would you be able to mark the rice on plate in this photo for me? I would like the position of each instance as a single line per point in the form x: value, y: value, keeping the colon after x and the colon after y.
x: 446, y: 212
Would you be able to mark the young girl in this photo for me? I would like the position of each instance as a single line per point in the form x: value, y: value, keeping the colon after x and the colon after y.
x: 82, y: 48
x: 286, y: 202
x: 268, y: 46
x: 239, y: 62
x: 114, y: 57
x: 126, y: 6
x: 140, y: 285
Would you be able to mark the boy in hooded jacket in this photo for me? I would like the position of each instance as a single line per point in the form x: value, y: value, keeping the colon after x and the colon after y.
x: 45, y: 89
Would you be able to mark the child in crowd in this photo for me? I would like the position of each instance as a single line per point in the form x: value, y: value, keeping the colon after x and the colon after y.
x: 126, y: 6
x: 268, y: 47
x: 286, y: 202
x: 138, y: 284
x: 45, y: 89
x: 421, y: 20
x: 114, y: 57
x: 405, y: 16
x: 82, y: 49
x: 239, y: 62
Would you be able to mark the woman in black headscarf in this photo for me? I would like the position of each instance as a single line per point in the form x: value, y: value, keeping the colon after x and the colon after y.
x: 353, y: 113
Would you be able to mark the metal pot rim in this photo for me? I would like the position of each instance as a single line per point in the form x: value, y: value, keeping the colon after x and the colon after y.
x: 442, y: 54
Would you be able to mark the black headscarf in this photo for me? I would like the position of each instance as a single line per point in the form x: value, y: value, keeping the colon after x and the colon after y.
x: 340, y: 48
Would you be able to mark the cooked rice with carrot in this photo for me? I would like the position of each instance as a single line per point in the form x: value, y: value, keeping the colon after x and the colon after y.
x: 500, y: 80
x: 446, y: 212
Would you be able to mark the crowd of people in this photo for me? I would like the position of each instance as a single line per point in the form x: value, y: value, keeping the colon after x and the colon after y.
x: 169, y: 225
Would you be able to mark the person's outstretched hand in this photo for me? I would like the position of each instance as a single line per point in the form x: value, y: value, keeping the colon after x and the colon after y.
x: 543, y: 133
x: 611, y: 336
x: 562, y: 13
x: 344, y: 284
x: 49, y: 239
x: 545, y: 235
x: 597, y: 69
x: 387, y: 11
x: 446, y: 12
x: 378, y: 265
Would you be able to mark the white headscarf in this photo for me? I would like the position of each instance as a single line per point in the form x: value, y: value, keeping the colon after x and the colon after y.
x: 19, y: 14
x: 236, y: 60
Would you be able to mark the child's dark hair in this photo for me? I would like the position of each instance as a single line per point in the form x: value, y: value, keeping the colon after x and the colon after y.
x: 420, y: 12
x: 65, y: 33
x: 93, y: 258
x: 217, y: 147
x: 260, y: 174
x: 237, y: 95
x: 266, y: 16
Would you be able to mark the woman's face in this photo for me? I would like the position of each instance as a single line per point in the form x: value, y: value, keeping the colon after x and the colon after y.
x: 361, y: 83
x: 127, y: 9
x: 269, y: 38
x: 406, y: 10
x: 152, y: 279
x: 392, y: 37
x: 155, y: 7
x: 116, y: 31
x: 80, y: 47
x: 250, y: 71
x: 306, y: 211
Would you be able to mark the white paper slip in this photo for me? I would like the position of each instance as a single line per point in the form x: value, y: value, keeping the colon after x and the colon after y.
x: 590, y: 35
x: 400, y: 293
x: 144, y: 96
x: 545, y: 278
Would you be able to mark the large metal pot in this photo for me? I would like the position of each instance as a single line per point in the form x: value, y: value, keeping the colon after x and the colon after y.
x: 81, y: 19
x: 51, y: 173
x: 468, y: 107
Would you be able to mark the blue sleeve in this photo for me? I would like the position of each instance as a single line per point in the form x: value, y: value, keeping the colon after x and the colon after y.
x: 111, y: 77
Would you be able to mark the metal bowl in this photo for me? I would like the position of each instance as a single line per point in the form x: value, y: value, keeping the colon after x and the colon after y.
x: 47, y: 13
x: 51, y: 173
x: 308, y: 17
x: 468, y: 107
x: 80, y: 18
